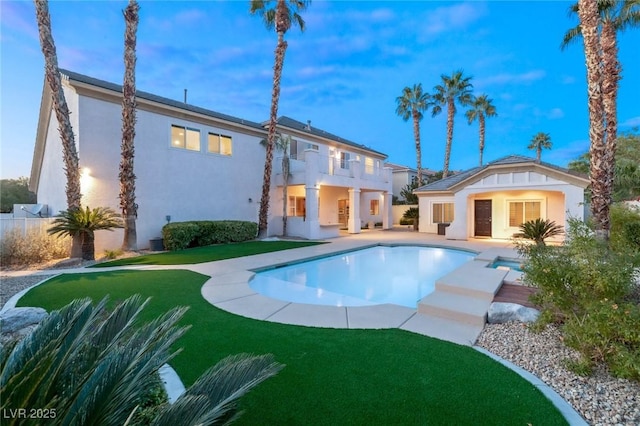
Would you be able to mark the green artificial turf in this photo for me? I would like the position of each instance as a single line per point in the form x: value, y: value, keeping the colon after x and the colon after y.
x: 209, y: 253
x: 332, y: 376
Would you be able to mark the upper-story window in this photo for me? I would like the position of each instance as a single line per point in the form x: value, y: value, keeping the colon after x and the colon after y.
x: 344, y: 160
x: 185, y: 137
x: 219, y: 144
x: 368, y: 165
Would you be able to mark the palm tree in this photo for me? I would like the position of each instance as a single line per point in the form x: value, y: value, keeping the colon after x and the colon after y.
x: 610, y: 17
x: 52, y: 75
x: 481, y: 108
x: 127, y: 175
x: 85, y: 365
x: 282, y: 143
x: 456, y: 88
x: 82, y: 224
x: 539, y: 142
x: 411, y: 104
x: 281, y: 18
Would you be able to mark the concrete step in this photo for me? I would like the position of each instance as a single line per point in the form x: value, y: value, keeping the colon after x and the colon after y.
x: 472, y: 279
x: 443, y: 329
x: 455, y: 307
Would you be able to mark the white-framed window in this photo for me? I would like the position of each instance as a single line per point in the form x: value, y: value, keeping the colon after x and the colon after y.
x: 524, y: 211
x: 185, y: 138
x: 296, y: 206
x: 442, y: 212
x: 344, y: 160
x: 219, y: 144
x: 368, y: 165
x: 374, y: 207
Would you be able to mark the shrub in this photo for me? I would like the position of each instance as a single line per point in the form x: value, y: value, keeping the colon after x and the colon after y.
x: 84, y: 365
x: 585, y: 286
x: 34, y: 246
x: 404, y: 221
x: 181, y: 235
x: 539, y: 230
x: 625, y: 228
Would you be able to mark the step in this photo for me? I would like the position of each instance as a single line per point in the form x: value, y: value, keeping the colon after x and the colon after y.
x: 443, y: 329
x: 455, y: 307
x: 472, y: 279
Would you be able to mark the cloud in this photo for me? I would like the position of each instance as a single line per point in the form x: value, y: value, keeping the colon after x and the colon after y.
x: 454, y: 17
x: 631, y: 122
x: 19, y: 17
x: 555, y: 114
x: 568, y: 79
x: 510, y: 78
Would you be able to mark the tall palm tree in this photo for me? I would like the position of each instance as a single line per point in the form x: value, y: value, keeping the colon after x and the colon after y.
x: 69, y: 151
x: 411, y: 105
x: 481, y: 107
x: 282, y: 143
x: 280, y: 17
x: 127, y: 175
x: 539, y: 142
x: 615, y: 16
x: 454, y: 88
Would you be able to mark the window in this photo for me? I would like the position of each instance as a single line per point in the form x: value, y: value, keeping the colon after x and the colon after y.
x: 312, y: 146
x: 368, y: 165
x: 185, y: 137
x: 442, y: 212
x: 297, y: 206
x: 374, y: 207
x: 523, y: 211
x: 219, y: 144
x: 344, y: 160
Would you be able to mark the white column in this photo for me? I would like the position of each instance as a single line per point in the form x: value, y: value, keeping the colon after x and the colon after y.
x: 312, y: 224
x: 354, y: 211
x: 387, y: 218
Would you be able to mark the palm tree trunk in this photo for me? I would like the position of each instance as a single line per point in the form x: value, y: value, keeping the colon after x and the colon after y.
x: 538, y: 152
x: 88, y: 246
x: 285, y: 187
x: 127, y: 175
x: 52, y: 75
x: 451, y: 110
x: 589, y: 19
x: 273, y: 120
x: 610, y: 78
x: 416, y: 134
x: 481, y: 120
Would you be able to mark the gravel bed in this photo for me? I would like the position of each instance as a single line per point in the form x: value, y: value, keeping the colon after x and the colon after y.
x: 12, y: 285
x: 600, y: 399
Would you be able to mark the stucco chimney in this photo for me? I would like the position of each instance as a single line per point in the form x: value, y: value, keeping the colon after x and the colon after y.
x: 308, y: 127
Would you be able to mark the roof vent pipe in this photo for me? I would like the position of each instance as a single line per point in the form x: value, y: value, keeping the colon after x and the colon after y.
x: 185, y: 96
x: 308, y: 127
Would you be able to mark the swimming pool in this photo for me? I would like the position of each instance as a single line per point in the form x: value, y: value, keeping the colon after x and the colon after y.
x: 514, y: 265
x: 401, y: 275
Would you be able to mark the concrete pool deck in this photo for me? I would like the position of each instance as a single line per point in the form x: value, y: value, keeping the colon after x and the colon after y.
x: 228, y: 288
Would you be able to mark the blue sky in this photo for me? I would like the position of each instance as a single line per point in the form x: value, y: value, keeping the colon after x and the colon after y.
x: 343, y: 73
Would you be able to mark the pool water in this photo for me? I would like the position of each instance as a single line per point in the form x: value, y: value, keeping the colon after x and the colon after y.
x: 401, y: 275
x: 514, y: 265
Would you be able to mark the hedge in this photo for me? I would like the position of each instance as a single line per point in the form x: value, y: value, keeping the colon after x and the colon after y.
x: 197, y: 233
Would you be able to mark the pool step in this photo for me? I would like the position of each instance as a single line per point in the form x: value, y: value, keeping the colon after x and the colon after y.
x: 473, y: 279
x: 455, y: 307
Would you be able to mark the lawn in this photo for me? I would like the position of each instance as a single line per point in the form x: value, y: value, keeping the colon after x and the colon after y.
x: 209, y: 253
x: 332, y: 376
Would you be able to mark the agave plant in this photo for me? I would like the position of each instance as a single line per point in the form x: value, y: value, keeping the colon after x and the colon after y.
x: 83, y: 223
x: 83, y: 366
x: 539, y: 230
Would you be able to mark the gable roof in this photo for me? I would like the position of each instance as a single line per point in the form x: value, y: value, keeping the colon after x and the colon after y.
x: 80, y: 78
x: 454, y: 182
x: 299, y: 126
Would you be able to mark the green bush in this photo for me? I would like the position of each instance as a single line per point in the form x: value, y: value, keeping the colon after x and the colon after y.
x: 585, y: 286
x: 404, y: 221
x: 625, y: 228
x: 34, y: 246
x: 181, y: 235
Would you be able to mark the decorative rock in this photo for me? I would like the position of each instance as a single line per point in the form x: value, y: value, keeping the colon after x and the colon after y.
x: 15, y: 319
x: 504, y: 312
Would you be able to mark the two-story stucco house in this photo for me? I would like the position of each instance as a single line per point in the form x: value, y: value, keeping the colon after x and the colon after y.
x: 195, y: 164
x: 492, y: 201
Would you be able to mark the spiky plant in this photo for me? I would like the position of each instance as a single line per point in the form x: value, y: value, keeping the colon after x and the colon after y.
x: 88, y: 366
x: 83, y: 223
x: 412, y: 213
x: 539, y: 230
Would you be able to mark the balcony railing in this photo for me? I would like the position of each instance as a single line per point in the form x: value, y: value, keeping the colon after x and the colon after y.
x: 330, y: 165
